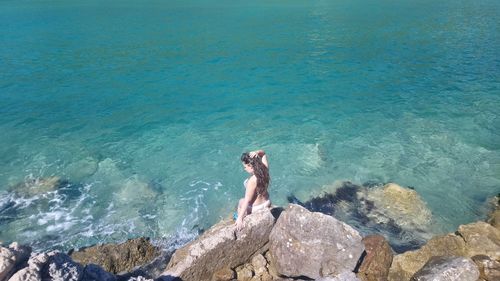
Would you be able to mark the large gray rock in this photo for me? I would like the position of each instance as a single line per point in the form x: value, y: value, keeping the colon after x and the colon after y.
x: 448, y: 269
x: 11, y: 258
x: 220, y: 247
x: 313, y: 245
x: 117, y: 258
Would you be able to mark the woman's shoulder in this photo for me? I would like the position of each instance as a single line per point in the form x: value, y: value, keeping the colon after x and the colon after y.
x: 252, y: 179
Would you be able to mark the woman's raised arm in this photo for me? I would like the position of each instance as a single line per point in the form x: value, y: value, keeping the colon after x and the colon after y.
x: 262, y: 154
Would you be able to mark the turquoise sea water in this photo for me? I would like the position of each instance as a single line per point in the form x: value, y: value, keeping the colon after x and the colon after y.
x: 144, y: 108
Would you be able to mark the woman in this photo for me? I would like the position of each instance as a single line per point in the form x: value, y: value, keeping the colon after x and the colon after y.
x: 256, y: 195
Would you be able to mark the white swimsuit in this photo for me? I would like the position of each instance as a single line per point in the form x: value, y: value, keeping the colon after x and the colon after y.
x: 263, y: 205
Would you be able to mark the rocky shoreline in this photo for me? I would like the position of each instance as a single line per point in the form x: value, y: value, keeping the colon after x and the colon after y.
x: 291, y: 243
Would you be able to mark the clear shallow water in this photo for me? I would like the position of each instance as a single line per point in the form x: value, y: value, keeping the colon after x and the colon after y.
x: 145, y: 107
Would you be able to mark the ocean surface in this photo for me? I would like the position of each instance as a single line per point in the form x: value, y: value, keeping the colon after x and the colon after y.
x: 142, y: 109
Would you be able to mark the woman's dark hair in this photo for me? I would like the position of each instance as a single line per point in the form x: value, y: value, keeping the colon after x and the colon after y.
x: 260, y: 171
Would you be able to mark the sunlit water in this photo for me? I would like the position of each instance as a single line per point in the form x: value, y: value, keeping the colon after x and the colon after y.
x: 144, y: 107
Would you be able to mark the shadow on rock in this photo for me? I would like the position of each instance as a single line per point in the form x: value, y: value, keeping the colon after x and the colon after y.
x: 390, y: 210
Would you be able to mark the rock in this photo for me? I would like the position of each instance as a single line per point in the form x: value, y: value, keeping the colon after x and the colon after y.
x: 270, y: 265
x: 61, y: 267
x: 11, y: 258
x: 139, y: 278
x: 345, y: 276
x: 314, y: 245
x: 26, y: 274
x: 403, y: 205
x: 392, y: 211
x: 82, y: 168
x: 94, y: 272
x: 405, y: 265
x: 259, y: 264
x: 488, y: 269
x: 494, y: 219
x: 221, y: 246
x: 481, y: 239
x: 447, y: 269
x: 117, y: 258
x: 244, y: 273
x: 7, y: 263
x: 494, y: 216
x: 378, y: 259
x: 58, y: 266
x: 34, y: 270
x: 36, y: 186
x: 225, y: 274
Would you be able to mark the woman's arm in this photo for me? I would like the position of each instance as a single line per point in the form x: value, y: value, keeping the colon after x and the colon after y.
x: 262, y: 154
x: 249, y: 194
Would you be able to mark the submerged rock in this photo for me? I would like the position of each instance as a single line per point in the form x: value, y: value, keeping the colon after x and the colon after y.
x: 447, y: 269
x: 32, y: 187
x: 392, y: 211
x: 314, y: 245
x: 403, y: 205
x: 118, y: 258
x: 220, y: 247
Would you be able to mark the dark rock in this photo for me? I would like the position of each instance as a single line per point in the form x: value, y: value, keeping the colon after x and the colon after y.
x: 117, y: 258
x: 378, y: 259
x: 447, y: 269
x: 313, y: 245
